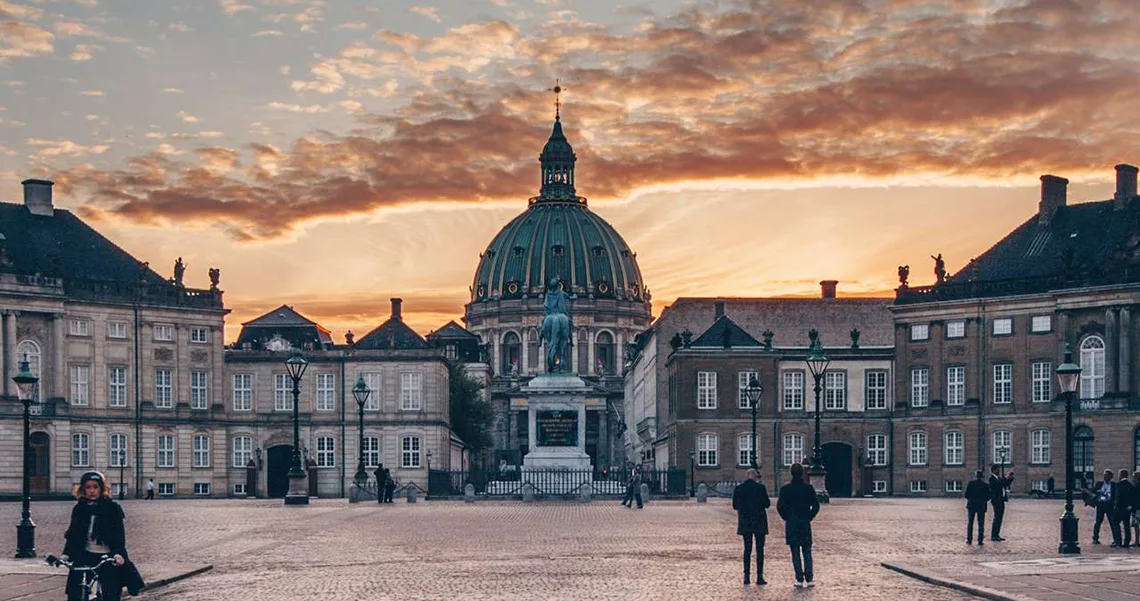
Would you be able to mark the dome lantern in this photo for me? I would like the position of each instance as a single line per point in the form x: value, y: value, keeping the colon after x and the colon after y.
x: 557, y: 160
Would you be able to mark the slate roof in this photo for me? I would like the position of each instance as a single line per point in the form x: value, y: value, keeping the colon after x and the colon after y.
x: 724, y: 333
x: 452, y: 331
x: 286, y: 322
x: 393, y: 334
x: 280, y: 317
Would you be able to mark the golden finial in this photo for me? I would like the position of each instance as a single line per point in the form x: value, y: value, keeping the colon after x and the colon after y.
x: 557, y: 89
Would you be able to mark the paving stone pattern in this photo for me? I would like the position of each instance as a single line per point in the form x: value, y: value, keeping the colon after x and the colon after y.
x: 334, y: 550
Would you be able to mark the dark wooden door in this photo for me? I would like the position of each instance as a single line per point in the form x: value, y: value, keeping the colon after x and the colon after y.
x: 41, y: 463
x: 837, y: 462
x: 279, y: 459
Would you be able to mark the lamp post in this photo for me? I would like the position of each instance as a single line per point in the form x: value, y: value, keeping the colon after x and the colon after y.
x: 754, y: 391
x: 817, y: 365
x: 298, y: 493
x: 122, y: 466
x: 692, y: 473
x: 1068, y: 375
x: 26, y: 383
x: 427, y: 494
x: 361, y: 392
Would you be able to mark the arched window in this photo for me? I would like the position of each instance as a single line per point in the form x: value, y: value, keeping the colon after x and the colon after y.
x: 1083, y: 454
x: 511, y: 353
x: 605, y: 353
x: 1092, y: 367
x: 29, y: 351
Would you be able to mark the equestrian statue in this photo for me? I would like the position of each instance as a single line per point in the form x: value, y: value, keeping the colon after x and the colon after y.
x: 556, y: 328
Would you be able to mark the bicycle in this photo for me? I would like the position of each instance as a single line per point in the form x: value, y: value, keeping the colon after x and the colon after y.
x: 92, y: 588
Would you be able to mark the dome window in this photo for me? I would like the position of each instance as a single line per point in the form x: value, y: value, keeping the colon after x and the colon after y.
x: 558, y: 250
x: 598, y: 251
x: 518, y: 250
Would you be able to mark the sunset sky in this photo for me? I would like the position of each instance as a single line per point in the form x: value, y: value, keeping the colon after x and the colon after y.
x: 330, y: 154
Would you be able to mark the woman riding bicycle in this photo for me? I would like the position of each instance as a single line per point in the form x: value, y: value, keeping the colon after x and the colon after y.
x: 96, y: 529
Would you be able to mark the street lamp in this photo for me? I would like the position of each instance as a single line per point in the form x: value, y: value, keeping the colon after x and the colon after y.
x: 298, y: 493
x: 817, y: 364
x: 427, y: 494
x: 26, y: 383
x: 361, y: 392
x: 753, y: 392
x: 1068, y: 375
x: 122, y: 465
x: 692, y: 473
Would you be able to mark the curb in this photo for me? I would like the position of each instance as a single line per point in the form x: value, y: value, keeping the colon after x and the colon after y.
x: 972, y: 589
x: 165, y: 581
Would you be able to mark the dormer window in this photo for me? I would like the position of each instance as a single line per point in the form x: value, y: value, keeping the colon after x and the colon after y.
x: 558, y: 250
x: 598, y: 251
x: 518, y: 250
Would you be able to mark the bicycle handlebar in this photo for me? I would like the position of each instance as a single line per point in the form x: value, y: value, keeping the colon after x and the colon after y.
x: 52, y: 560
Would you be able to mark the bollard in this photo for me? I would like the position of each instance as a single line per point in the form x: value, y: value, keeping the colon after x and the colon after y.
x: 469, y: 493
x: 411, y: 493
x: 585, y: 492
x: 702, y: 493
x: 528, y: 493
x: 644, y: 493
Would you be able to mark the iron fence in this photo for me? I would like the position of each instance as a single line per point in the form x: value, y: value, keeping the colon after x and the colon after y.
x: 553, y: 483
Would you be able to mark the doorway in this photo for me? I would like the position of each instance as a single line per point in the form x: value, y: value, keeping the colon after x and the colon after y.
x: 837, y: 462
x: 279, y: 459
x: 41, y: 463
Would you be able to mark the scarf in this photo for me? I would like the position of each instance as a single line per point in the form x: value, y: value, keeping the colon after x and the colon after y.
x: 101, y: 510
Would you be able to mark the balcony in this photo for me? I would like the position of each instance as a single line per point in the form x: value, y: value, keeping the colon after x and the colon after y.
x: 959, y: 288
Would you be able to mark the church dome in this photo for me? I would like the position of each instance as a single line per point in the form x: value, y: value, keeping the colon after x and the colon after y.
x: 558, y: 235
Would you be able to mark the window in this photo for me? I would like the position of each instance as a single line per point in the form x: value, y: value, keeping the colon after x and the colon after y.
x: 956, y: 329
x: 1003, y: 326
x: 29, y: 351
x: 117, y: 450
x: 876, y: 388
x: 1092, y: 367
x: 877, y: 449
x: 918, y: 486
x: 920, y: 331
x: 835, y: 390
x: 202, y: 489
x: 372, y: 380
x: 919, y: 386
x: 793, y: 448
x: 326, y: 400
x: 1040, y: 442
x: 282, y: 392
x: 166, y: 489
x: 410, y: 452
x: 239, y: 489
x: 243, y: 392
x: 326, y: 451
x: 162, y: 389
x: 242, y: 450
x: 954, y: 449
x: 1003, y: 383
x: 1042, y: 381
x: 706, y: 390
x: 200, y: 335
x: 706, y: 450
x: 371, y: 451
x: 119, y: 490
x: 1041, y: 323
x: 879, y: 486
x: 79, y: 327
x: 411, y: 389
x: 451, y: 352
x: 116, y: 387
x: 80, y: 450
x: 164, y: 332
x: 793, y: 390
x: 742, y: 380
x: 80, y: 384
x: 201, y: 450
x: 953, y: 486
x: 198, y: 387
x: 745, y: 455
x: 956, y: 385
x: 117, y: 329
x: 1083, y: 450
x: 917, y: 454
x: 165, y: 456
x: 1002, y: 446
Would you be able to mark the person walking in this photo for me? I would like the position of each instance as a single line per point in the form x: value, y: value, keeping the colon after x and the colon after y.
x: 751, y: 502
x: 977, y: 496
x: 389, y: 485
x: 633, y: 489
x: 96, y: 529
x: 999, y: 487
x: 798, y: 506
x: 1125, y: 499
x: 379, y: 473
x: 150, y: 489
x: 1104, y: 499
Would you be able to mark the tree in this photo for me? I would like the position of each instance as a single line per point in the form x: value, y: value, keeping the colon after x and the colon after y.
x: 470, y: 413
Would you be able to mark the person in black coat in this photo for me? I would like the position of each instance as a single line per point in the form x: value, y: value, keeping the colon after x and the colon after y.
x: 977, y: 495
x: 96, y: 529
x: 1104, y: 499
x: 389, y: 485
x: 1125, y: 496
x: 798, y: 506
x: 751, y: 502
x: 998, y: 486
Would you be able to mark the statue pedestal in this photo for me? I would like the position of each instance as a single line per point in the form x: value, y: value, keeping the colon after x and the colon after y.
x: 556, y: 423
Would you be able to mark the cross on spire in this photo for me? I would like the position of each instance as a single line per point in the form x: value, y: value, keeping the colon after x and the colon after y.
x: 557, y: 89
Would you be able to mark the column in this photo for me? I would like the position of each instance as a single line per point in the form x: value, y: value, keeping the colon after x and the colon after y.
x: 6, y: 345
x: 592, y: 367
x: 1062, y: 333
x: 574, y: 367
x: 496, y: 361
x: 605, y: 445
x: 1125, y: 360
x: 11, y: 367
x: 619, y: 353
x: 513, y: 428
x: 58, y: 383
x: 1110, y: 348
x: 524, y: 366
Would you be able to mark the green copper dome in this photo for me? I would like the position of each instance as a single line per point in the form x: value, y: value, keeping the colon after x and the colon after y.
x: 558, y: 235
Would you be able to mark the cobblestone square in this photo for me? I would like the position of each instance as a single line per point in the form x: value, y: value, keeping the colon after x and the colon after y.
x: 334, y: 550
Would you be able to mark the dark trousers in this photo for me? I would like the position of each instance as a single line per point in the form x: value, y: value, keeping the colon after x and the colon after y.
x: 980, y: 514
x: 110, y: 577
x: 748, y: 540
x: 1122, y: 523
x: 388, y: 494
x: 632, y: 493
x: 150, y: 494
x: 999, y: 513
x: 801, y: 561
x: 1103, y: 511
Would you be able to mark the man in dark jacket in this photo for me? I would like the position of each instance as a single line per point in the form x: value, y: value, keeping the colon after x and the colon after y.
x: 998, y: 486
x: 1104, y: 498
x: 751, y: 502
x: 797, y: 505
x: 977, y: 495
x: 379, y: 473
x: 1124, y: 498
x: 633, y: 488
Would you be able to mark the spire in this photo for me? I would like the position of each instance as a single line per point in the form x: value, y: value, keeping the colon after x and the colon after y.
x: 557, y: 89
x: 557, y: 159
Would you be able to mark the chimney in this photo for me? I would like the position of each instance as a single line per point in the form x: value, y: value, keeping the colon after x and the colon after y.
x: 37, y: 196
x: 396, y: 302
x: 719, y: 310
x: 827, y: 288
x: 1125, y: 186
x: 1053, y: 191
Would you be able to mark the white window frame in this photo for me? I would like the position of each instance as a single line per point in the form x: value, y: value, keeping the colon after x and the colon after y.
x: 956, y: 328
x: 917, y: 449
x: 876, y: 388
x: 742, y: 380
x: 163, y: 388
x: 877, y: 449
x: 79, y: 327
x: 201, y: 489
x: 201, y: 451
x: 371, y: 451
x: 793, y: 448
x: 919, y: 332
x: 29, y: 350
x: 375, y: 382
x: 1003, y: 383
x: 117, y: 450
x: 410, y: 451
x: 165, y: 489
x: 282, y: 392
x: 1092, y: 367
x: 954, y: 447
x: 241, y: 451
x: 326, y: 451
x: 919, y: 387
x: 953, y: 486
x: 835, y: 390
x: 793, y: 387
x: 239, y: 489
x: 707, y: 449
x: 1002, y: 439
x: 745, y: 450
x: 1003, y: 326
x: 1041, y: 323
x: 706, y: 390
x: 955, y: 385
x: 199, y: 335
x: 879, y: 486
x: 1041, y: 446
x: 80, y: 449
x: 199, y: 390
x: 917, y: 486
x: 1041, y: 374
x: 411, y: 391
x: 242, y: 392
x: 164, y: 332
x: 116, y: 386
x: 80, y: 385
x: 326, y: 392
x: 165, y: 445
x: 117, y: 330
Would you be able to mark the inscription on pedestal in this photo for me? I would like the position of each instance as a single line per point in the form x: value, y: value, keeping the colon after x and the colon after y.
x: 556, y: 428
